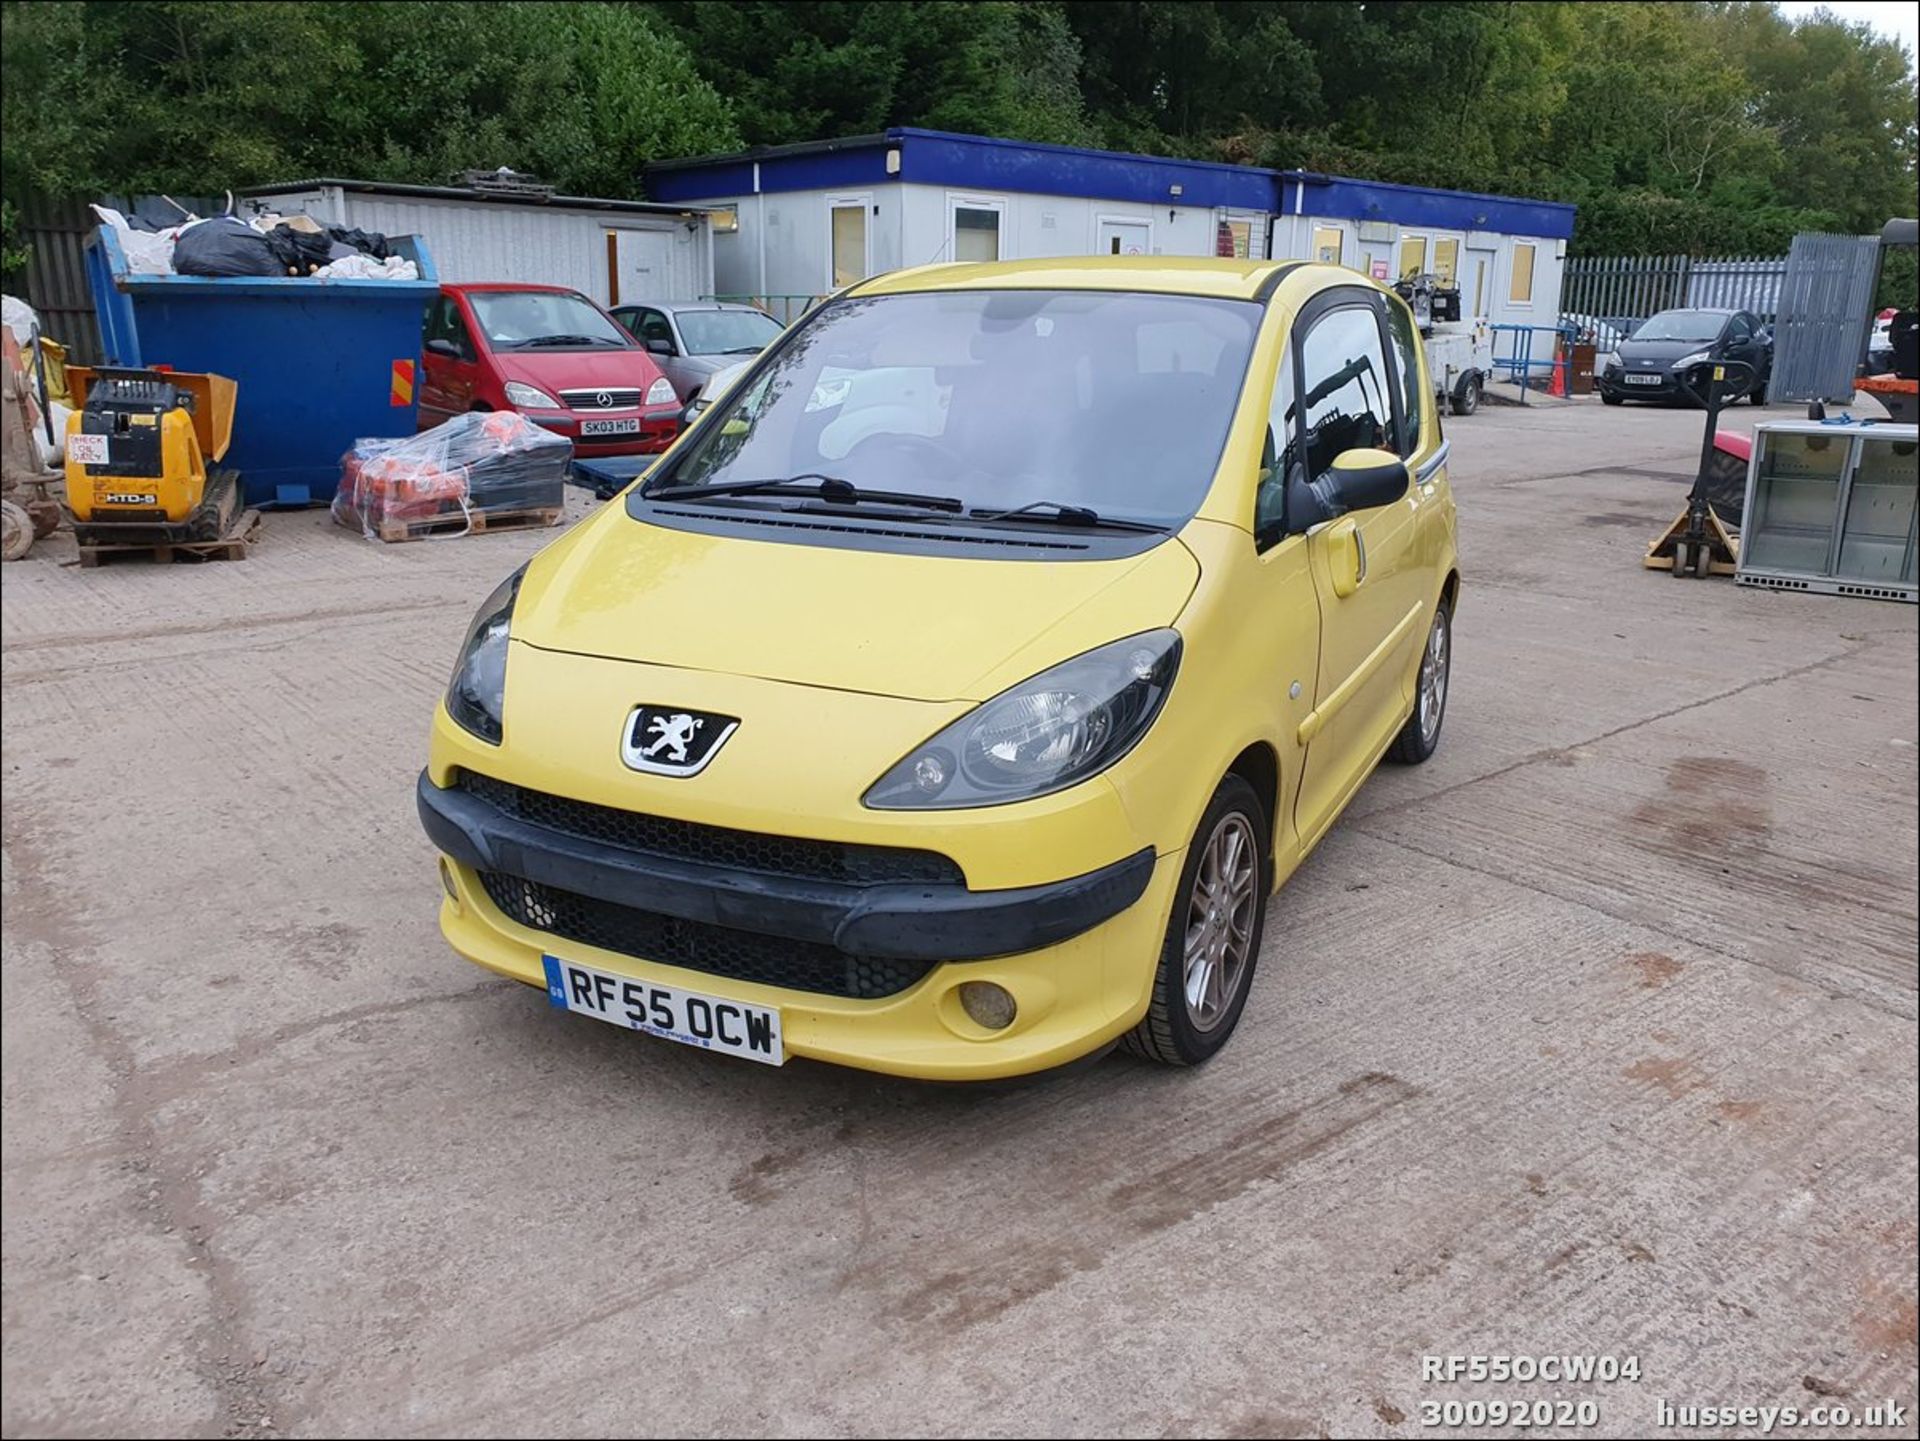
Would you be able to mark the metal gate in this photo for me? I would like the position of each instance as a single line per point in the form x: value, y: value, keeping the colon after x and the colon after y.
x: 1826, y: 302
x: 1608, y: 295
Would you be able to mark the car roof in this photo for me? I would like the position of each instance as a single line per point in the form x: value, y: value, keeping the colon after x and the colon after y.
x: 681, y: 307
x: 1166, y: 274
x: 473, y: 285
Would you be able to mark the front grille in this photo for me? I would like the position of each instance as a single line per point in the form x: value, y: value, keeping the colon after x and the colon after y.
x: 715, y: 845
x: 699, y: 945
x: 590, y: 399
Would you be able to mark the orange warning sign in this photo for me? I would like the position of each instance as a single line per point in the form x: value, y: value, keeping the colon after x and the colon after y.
x: 402, y: 382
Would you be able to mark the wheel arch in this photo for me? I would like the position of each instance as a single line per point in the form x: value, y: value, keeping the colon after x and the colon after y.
x: 1259, y: 766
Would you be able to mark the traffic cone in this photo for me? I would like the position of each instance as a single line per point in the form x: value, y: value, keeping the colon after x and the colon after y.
x: 1559, y: 384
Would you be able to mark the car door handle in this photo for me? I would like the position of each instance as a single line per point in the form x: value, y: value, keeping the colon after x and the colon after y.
x: 1360, y: 550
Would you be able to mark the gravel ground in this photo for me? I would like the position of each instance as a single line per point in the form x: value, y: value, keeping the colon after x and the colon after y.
x: 1594, y: 1036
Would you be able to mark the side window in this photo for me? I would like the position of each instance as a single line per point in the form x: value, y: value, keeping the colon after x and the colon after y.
x: 653, y: 326
x: 1344, y: 372
x: 1279, y: 457
x: 1406, y: 361
x: 457, y: 329
x: 444, y: 323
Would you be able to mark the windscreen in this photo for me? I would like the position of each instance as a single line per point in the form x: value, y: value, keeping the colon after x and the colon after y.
x: 1700, y: 325
x: 518, y: 319
x: 1117, y: 402
x: 726, y: 332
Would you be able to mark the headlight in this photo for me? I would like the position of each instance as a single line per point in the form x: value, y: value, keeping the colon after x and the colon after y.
x: 1043, y: 735
x: 1694, y: 359
x: 477, y: 692
x: 532, y: 396
x: 660, y: 392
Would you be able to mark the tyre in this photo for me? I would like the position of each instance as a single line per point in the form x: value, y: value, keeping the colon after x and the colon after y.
x: 16, y: 530
x: 1466, y: 395
x: 1419, y: 738
x: 1213, y: 936
x: 1607, y: 397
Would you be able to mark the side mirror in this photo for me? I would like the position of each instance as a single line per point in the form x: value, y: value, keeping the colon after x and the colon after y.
x: 660, y: 347
x: 440, y: 345
x: 1365, y: 479
x: 1358, y: 480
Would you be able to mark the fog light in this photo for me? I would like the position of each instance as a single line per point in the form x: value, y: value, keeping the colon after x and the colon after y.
x: 446, y: 881
x: 987, y: 1004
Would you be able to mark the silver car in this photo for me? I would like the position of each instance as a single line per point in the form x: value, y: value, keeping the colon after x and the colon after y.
x: 691, y: 340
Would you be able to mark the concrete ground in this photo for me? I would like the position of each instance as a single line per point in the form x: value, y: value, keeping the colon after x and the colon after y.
x: 1594, y: 1036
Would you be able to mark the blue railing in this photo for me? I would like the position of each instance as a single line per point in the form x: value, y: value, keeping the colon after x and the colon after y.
x: 1520, y: 362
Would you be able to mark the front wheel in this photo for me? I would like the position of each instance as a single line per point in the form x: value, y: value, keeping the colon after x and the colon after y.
x: 1466, y: 395
x: 1419, y: 738
x: 1607, y: 397
x: 1213, y: 936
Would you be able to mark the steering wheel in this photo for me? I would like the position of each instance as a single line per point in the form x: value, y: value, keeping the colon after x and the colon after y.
x: 928, y: 458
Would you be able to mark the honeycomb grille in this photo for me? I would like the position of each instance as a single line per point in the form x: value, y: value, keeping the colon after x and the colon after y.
x: 698, y: 945
x: 715, y: 845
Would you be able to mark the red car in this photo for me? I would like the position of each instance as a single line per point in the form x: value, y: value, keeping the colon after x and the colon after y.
x: 551, y: 354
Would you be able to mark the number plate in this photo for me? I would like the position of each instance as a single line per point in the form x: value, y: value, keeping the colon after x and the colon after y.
x: 1641, y: 379
x: 629, y: 426
x: 752, y: 1032
x: 87, y: 449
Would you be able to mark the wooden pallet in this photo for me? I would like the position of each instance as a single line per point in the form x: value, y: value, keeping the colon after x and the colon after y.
x: 234, y: 545
x: 454, y: 523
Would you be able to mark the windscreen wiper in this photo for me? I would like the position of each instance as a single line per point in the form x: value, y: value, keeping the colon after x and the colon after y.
x: 1052, y: 511
x: 827, y: 487
x: 568, y: 340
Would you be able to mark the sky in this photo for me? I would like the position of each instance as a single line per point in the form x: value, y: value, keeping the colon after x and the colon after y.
x: 1895, y: 19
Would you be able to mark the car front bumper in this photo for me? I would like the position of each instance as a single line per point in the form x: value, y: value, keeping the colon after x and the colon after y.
x: 660, y: 425
x: 1666, y: 387
x: 914, y: 921
x: 1062, y: 901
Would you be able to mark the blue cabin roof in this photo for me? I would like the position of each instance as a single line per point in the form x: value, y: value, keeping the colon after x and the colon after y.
x: 980, y: 162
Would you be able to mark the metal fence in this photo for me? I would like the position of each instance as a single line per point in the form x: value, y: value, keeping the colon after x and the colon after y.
x: 55, y: 235
x: 1607, y: 295
x: 1826, y: 305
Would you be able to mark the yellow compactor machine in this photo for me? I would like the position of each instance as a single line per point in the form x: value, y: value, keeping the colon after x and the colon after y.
x: 141, y: 447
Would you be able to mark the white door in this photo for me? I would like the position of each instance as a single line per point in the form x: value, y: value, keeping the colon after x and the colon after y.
x: 849, y: 243
x: 643, y: 267
x: 1476, y: 284
x: 1124, y: 237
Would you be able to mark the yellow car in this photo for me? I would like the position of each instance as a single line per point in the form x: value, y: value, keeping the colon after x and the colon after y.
x: 952, y: 697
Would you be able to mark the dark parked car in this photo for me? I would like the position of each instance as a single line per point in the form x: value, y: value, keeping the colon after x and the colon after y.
x: 692, y: 341
x: 1652, y: 363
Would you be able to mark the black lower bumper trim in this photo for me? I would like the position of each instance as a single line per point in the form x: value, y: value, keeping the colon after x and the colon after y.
x: 919, y: 921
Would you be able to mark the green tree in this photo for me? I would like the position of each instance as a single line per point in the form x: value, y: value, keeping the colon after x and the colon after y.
x: 824, y: 69
x: 102, y: 95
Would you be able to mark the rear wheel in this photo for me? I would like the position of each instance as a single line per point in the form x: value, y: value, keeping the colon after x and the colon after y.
x: 1419, y: 738
x: 1213, y: 936
x: 1466, y: 395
